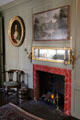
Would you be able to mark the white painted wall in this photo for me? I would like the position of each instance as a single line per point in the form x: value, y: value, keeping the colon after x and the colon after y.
x: 16, y: 57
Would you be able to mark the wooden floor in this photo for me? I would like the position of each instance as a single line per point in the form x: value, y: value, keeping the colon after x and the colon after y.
x: 39, y: 108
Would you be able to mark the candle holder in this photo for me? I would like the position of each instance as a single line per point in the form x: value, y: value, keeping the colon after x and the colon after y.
x: 72, y: 58
x: 29, y: 54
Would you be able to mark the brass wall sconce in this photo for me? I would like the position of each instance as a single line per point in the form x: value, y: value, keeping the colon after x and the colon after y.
x: 29, y: 54
x: 72, y: 57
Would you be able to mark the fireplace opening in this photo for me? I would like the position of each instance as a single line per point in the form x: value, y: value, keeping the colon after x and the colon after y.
x: 51, y: 89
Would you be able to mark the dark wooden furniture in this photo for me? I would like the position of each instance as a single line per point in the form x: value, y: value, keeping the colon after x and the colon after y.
x: 11, y: 83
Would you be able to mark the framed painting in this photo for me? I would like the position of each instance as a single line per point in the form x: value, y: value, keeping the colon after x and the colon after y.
x: 16, y: 31
x: 50, y: 54
x: 52, y: 24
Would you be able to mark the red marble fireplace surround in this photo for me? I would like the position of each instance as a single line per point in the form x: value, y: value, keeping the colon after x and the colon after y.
x: 54, y: 70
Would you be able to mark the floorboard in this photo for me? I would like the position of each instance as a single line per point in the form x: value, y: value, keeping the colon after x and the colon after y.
x: 38, y: 108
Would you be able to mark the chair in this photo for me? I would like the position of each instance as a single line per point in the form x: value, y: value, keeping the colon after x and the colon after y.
x: 11, y: 83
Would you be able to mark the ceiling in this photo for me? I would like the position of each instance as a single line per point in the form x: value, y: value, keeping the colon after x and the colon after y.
x: 3, y: 2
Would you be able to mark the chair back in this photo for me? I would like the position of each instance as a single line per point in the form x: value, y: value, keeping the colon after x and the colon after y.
x: 19, y: 74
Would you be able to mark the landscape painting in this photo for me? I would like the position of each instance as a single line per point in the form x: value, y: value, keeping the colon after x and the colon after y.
x: 51, y: 24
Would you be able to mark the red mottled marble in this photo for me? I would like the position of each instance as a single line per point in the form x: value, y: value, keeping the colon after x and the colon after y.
x: 54, y: 70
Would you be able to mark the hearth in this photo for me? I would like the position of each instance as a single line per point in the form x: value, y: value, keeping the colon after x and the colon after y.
x: 51, y: 89
x: 54, y: 83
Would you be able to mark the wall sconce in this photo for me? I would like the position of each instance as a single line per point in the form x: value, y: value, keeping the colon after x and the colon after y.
x: 72, y: 57
x: 29, y: 54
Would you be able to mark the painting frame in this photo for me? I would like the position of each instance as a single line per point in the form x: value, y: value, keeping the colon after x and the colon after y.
x: 51, y: 54
x: 52, y: 25
x: 16, y: 31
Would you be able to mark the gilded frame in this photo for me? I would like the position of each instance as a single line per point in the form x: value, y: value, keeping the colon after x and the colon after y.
x: 16, y: 24
x: 66, y: 55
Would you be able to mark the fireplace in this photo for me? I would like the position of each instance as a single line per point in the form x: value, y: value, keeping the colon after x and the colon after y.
x: 61, y: 78
x: 51, y: 85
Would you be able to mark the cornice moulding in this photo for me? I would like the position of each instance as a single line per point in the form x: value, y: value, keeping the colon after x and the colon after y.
x: 12, y: 4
